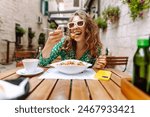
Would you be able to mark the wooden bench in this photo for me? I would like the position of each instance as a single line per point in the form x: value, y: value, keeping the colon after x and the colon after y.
x: 117, y: 60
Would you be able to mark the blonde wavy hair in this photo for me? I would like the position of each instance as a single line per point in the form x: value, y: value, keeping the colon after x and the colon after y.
x: 92, y: 39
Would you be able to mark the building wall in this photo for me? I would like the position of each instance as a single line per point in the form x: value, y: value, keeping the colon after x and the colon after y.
x: 23, y: 12
x: 121, y: 37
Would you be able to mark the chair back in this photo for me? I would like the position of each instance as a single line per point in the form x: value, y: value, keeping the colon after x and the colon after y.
x: 117, y: 60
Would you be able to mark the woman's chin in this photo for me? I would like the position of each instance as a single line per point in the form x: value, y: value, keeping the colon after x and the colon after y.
x: 77, y: 38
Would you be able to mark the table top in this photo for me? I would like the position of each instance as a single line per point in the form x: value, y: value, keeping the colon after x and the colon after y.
x: 45, y: 89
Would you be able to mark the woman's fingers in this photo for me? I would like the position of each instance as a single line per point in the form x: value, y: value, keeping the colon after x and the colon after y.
x: 102, y: 59
x: 55, y: 36
x: 56, y: 32
x: 102, y: 56
x: 99, y: 66
x: 100, y: 62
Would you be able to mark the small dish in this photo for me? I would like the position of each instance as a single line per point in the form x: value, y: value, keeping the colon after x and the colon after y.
x: 23, y: 72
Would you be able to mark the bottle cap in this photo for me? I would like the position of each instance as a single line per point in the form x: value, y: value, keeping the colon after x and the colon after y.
x: 143, y: 42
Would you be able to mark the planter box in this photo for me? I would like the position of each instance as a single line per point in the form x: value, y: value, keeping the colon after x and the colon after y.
x: 132, y: 92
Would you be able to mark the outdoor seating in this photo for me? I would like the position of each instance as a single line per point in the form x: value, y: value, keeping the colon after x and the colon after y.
x: 112, y: 61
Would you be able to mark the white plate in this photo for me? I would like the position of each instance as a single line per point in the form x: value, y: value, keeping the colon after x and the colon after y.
x: 24, y: 73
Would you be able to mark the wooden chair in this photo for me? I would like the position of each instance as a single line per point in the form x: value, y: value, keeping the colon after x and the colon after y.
x: 19, y: 55
x: 112, y: 61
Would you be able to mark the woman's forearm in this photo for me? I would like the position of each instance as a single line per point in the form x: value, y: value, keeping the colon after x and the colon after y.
x: 46, y: 52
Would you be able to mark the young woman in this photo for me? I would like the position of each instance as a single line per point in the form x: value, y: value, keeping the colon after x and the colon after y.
x: 82, y: 42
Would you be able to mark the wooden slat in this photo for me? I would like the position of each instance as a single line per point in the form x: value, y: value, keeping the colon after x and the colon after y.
x: 116, y: 79
x: 34, y: 82
x: 11, y: 77
x: 116, y: 60
x: 117, y: 57
x: 42, y: 91
x: 116, y: 63
x: 113, y: 90
x: 79, y: 90
x: 97, y: 90
x: 120, y: 74
x: 61, y: 90
x: 8, y: 73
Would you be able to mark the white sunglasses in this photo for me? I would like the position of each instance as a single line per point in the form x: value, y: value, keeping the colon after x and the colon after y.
x: 80, y: 23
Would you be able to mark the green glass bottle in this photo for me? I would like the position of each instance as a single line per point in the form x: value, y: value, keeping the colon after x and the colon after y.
x: 148, y: 70
x: 140, y: 62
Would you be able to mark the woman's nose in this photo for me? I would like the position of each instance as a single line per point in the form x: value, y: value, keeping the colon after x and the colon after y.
x: 75, y: 26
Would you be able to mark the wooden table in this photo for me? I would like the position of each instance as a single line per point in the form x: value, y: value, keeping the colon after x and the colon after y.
x: 42, y: 89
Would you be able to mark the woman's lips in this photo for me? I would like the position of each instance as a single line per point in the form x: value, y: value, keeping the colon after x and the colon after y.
x: 78, y: 33
x: 75, y: 34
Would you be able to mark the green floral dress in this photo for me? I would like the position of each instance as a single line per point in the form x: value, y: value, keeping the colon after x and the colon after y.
x: 56, y: 51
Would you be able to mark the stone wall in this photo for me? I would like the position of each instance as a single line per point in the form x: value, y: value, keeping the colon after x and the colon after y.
x: 121, y: 37
x: 23, y: 12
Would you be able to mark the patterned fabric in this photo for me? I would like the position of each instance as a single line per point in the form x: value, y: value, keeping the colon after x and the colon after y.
x: 56, y: 51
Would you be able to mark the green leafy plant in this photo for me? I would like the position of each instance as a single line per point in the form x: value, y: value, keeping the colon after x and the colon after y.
x: 111, y: 13
x: 53, y: 25
x: 41, y: 40
x: 20, y: 31
x: 31, y: 34
x: 101, y: 22
x: 137, y: 7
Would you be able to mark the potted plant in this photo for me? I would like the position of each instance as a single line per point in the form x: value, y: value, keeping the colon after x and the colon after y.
x: 31, y: 35
x: 101, y: 22
x: 137, y: 7
x: 20, y: 31
x: 111, y: 13
x: 53, y: 25
x: 41, y: 40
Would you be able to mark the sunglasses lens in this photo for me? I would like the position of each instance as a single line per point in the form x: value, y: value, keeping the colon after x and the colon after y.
x: 80, y: 23
x: 71, y: 25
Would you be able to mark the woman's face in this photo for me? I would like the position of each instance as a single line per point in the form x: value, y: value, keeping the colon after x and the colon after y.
x: 77, y: 29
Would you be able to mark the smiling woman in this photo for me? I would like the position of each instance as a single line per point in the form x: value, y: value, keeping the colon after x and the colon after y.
x: 81, y: 42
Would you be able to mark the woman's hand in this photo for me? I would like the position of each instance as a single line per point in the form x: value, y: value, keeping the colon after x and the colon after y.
x: 54, y: 38
x: 100, y: 62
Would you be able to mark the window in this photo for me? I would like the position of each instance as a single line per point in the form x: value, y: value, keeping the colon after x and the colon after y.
x: 44, y: 7
x: 76, y: 3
